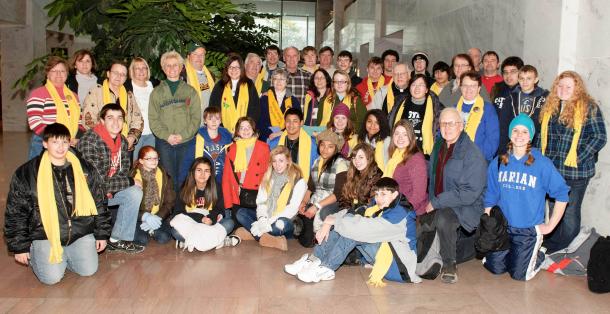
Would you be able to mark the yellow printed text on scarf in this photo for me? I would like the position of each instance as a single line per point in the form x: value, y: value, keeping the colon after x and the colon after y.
x: 230, y: 112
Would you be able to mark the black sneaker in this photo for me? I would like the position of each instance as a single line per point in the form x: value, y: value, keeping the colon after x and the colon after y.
x: 432, y: 272
x: 125, y: 246
x: 449, y: 273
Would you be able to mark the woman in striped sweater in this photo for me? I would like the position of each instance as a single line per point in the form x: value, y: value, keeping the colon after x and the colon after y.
x: 53, y: 102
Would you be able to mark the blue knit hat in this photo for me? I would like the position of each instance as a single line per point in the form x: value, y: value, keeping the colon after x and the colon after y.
x: 524, y: 120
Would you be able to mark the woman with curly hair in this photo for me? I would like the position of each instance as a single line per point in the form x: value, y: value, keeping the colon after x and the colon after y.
x: 572, y: 133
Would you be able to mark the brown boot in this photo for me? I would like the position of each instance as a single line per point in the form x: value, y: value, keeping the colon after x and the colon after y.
x: 279, y: 242
x: 244, y: 234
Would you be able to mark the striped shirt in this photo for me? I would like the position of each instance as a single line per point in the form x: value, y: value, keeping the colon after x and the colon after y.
x: 41, y: 110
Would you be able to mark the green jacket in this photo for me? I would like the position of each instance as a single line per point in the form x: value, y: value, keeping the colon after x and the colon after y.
x: 177, y: 114
x: 357, y: 111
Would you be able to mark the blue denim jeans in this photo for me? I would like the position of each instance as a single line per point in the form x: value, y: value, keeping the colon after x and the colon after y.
x: 145, y: 140
x: 79, y: 257
x: 127, y: 216
x: 569, y: 226
x: 333, y: 251
x: 172, y: 157
x: 35, y: 146
x: 162, y: 234
x: 280, y: 227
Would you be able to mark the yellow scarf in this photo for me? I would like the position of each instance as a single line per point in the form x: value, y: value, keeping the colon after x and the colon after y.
x: 282, y: 200
x: 199, y: 145
x: 308, y: 100
x: 230, y: 113
x: 328, y: 107
x: 379, y: 155
x: 258, y: 83
x: 390, y: 96
x: 435, y: 88
x: 304, y: 161
x: 191, y: 77
x: 108, y: 99
x: 383, y: 258
x: 84, y: 205
x: 572, y: 157
x: 426, y: 130
x: 369, y: 84
x: 276, y: 116
x: 241, y: 162
x: 396, y: 158
x: 475, y: 116
x: 159, y: 178
x: 69, y: 120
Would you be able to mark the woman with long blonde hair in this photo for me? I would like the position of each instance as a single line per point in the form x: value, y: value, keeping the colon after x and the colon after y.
x: 277, y: 202
x: 572, y: 133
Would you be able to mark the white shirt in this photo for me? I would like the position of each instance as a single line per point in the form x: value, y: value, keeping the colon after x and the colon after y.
x: 142, y: 95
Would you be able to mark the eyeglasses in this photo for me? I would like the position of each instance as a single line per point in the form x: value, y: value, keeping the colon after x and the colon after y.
x: 151, y: 158
x: 340, y: 82
x: 119, y: 74
x: 450, y: 124
x: 231, y: 68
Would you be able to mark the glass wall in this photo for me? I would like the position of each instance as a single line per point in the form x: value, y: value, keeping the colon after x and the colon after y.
x: 295, y: 23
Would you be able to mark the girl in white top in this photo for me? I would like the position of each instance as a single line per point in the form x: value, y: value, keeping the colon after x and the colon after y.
x: 139, y: 72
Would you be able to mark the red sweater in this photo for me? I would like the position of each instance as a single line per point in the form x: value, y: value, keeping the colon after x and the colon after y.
x: 490, y: 81
x: 412, y: 178
x: 363, y: 89
x: 258, y: 164
x: 41, y: 109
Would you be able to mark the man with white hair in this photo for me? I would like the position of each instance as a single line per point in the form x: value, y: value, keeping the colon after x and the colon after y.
x: 256, y: 73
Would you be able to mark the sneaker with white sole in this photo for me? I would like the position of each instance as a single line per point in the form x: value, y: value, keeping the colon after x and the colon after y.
x: 316, y: 273
x: 298, y: 266
x: 229, y: 241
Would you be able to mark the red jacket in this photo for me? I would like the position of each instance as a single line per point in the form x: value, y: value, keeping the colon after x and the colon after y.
x: 259, y: 162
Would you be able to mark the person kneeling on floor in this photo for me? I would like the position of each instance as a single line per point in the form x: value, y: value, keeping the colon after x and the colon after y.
x: 56, y: 217
x: 518, y: 183
x: 384, y: 233
x: 277, y: 202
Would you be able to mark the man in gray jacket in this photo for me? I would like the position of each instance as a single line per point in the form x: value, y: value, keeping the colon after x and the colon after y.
x: 458, y: 180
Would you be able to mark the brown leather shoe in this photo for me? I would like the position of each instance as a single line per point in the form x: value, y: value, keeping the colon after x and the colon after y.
x: 244, y: 234
x: 278, y: 242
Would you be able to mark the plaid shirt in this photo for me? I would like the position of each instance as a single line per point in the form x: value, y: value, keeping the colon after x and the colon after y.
x: 95, y: 152
x: 592, y: 140
x: 298, y: 83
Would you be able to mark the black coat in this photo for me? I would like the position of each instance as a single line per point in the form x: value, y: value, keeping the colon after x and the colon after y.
x: 22, y: 223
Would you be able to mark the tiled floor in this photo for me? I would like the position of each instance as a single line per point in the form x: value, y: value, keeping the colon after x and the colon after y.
x: 249, y: 279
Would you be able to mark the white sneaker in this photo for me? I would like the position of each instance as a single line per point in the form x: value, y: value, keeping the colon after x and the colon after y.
x: 180, y: 245
x: 298, y: 266
x: 316, y: 273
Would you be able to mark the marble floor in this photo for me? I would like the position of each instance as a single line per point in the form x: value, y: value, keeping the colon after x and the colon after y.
x: 249, y: 279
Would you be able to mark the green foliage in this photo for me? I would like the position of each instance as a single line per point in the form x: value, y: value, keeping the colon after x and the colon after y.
x: 33, y: 69
x: 123, y: 29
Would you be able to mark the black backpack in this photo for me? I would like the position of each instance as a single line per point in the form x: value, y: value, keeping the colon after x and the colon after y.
x: 598, y: 268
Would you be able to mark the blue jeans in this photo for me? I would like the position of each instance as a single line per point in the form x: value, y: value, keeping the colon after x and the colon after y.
x: 79, y: 257
x: 127, y: 216
x: 333, y: 252
x: 161, y: 235
x: 35, y: 146
x: 145, y: 140
x: 281, y: 227
x: 569, y: 226
x: 172, y: 157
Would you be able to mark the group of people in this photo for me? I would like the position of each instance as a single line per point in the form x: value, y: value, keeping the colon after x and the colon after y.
x: 396, y: 171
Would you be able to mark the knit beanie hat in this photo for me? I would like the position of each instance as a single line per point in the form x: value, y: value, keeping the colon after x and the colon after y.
x: 524, y: 120
x: 330, y: 136
x: 419, y: 56
x: 340, y: 109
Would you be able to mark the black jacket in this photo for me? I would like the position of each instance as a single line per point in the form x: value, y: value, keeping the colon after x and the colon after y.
x: 22, y: 223
x: 492, y: 234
